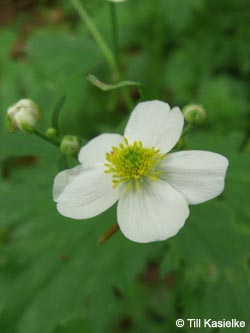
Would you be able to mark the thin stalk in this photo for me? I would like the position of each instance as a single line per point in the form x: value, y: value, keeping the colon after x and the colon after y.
x: 54, y: 142
x: 244, y: 143
x: 111, y: 59
x: 246, y: 139
x: 127, y: 99
x: 114, y: 31
x: 187, y: 128
x: 96, y: 35
x: 109, y: 233
x: 115, y: 37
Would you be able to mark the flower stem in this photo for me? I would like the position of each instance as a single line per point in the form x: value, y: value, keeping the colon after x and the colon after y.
x: 112, y: 59
x: 246, y: 138
x: 55, y: 142
x: 109, y: 233
x: 187, y: 128
x: 114, y: 31
x: 244, y: 143
x: 96, y: 35
x: 115, y: 36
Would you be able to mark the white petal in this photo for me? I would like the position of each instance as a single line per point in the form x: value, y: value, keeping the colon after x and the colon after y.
x: 94, y: 151
x: 63, y: 178
x: 86, y: 194
x: 155, y: 125
x: 155, y: 212
x: 198, y: 175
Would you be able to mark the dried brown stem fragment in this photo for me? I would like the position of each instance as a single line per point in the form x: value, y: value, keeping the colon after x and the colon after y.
x: 109, y: 233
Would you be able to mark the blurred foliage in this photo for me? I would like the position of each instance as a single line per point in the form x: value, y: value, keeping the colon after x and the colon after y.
x: 54, y: 278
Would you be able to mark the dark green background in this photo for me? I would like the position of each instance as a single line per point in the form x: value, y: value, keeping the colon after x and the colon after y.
x: 54, y: 277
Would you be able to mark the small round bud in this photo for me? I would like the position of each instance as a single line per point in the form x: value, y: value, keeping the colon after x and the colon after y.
x: 23, y: 115
x: 194, y: 114
x: 51, y: 133
x: 70, y: 145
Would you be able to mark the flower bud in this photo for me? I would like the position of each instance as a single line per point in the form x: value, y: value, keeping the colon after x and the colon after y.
x: 194, y: 114
x: 51, y: 133
x: 23, y: 115
x: 70, y: 145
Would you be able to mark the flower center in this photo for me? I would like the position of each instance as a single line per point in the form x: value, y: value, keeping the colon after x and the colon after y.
x: 131, y: 163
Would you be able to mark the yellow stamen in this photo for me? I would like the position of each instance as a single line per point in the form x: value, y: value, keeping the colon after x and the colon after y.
x: 132, y: 163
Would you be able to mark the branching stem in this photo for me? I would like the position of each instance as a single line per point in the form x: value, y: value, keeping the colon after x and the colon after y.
x: 111, y: 58
x: 55, y: 141
x: 107, y: 52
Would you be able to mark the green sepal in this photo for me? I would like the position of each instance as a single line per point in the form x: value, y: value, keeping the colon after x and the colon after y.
x: 25, y: 127
x: 9, y: 124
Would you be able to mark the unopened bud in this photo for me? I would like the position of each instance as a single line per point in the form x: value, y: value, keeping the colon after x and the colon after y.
x: 70, y: 145
x: 51, y: 133
x: 194, y: 114
x: 23, y: 115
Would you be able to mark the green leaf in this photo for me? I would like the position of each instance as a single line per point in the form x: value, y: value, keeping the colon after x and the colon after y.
x: 53, y: 267
x: 146, y: 93
x: 74, y: 325
x: 211, y: 252
x: 107, y: 87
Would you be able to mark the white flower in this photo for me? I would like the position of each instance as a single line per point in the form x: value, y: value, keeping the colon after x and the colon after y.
x: 153, y: 188
x: 23, y: 115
